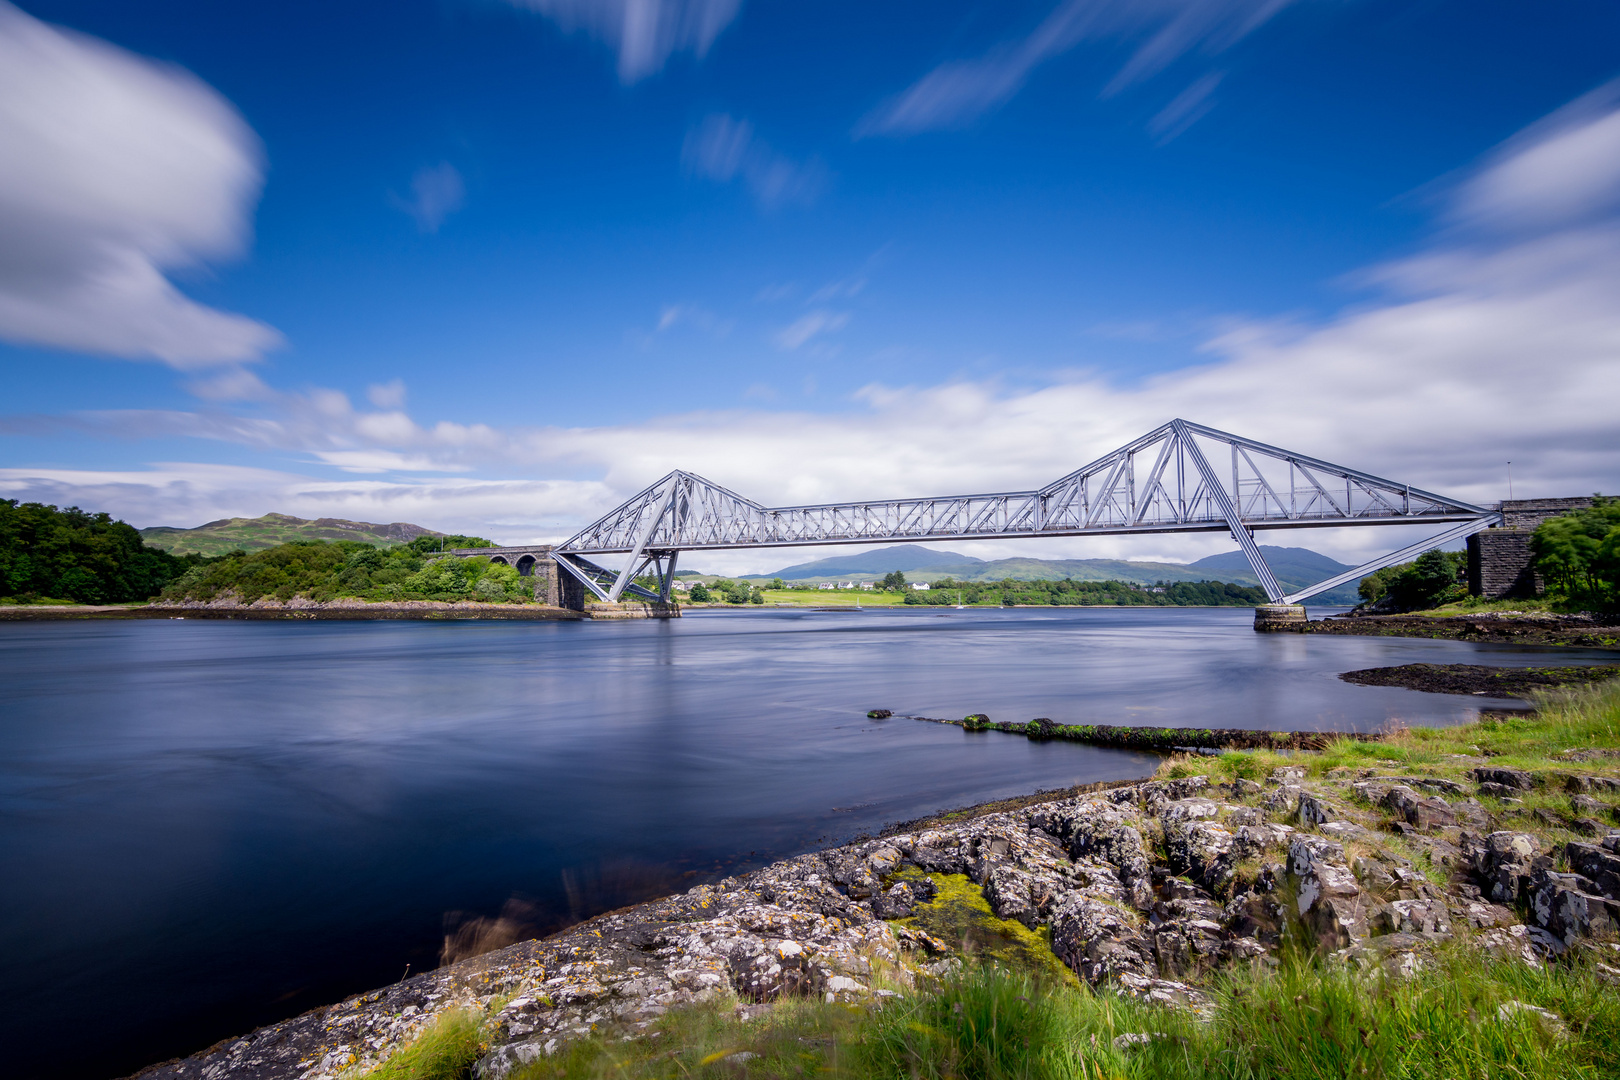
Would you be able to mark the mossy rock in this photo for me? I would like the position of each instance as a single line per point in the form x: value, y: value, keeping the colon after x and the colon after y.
x: 959, y: 915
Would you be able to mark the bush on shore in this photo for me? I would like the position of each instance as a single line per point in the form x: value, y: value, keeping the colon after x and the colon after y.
x: 322, y: 571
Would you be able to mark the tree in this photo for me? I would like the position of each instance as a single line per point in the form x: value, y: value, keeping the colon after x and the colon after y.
x: 76, y: 555
x: 893, y: 581
x: 1579, y: 553
x: 699, y: 593
x: 778, y: 584
x: 1428, y: 581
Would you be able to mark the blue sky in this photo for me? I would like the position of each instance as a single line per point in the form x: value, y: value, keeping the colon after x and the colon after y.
x: 493, y: 265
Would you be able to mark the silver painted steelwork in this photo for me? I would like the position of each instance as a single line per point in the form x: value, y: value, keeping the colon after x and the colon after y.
x: 1165, y: 481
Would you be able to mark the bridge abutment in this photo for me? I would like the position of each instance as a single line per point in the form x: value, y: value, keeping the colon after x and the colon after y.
x: 1500, y: 563
x: 555, y: 587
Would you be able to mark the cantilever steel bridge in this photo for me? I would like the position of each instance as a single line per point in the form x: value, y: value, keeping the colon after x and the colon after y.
x: 1164, y: 481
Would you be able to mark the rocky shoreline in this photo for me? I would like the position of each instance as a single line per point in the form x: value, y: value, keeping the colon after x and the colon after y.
x: 1585, y: 630
x: 1160, y: 739
x: 1498, y: 682
x: 1140, y: 889
x: 296, y: 608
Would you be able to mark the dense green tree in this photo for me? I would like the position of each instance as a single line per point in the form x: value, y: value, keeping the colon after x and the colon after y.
x: 1430, y: 580
x: 322, y: 571
x: 1578, y: 554
x: 75, y: 555
x: 423, y: 545
x: 894, y: 581
x: 699, y: 593
x: 1070, y: 593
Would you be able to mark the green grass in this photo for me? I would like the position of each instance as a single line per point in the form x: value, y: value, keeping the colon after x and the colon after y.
x: 1309, y: 1020
x: 1566, y: 720
x: 1474, y: 605
x: 445, y: 1050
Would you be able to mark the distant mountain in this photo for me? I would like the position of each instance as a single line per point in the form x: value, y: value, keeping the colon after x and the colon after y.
x: 1293, y: 568
x: 1289, y: 561
x: 879, y: 562
x: 255, y: 534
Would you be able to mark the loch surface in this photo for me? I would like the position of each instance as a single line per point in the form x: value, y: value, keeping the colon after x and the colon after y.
x: 209, y: 825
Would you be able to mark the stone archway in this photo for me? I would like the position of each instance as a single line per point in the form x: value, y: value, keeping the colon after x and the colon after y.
x: 525, y: 565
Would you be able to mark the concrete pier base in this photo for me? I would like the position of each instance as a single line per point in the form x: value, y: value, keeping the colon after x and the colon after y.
x: 1279, y: 617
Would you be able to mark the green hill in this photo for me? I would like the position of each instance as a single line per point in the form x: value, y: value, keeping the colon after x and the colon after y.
x: 259, y: 534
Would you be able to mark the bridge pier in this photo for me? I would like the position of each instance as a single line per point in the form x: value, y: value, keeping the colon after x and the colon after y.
x: 1279, y: 618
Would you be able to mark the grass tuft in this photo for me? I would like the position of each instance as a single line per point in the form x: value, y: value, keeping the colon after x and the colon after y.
x: 445, y: 1050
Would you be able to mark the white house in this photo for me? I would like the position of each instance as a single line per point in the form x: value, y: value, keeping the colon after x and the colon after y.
x: 921, y: 586
x: 868, y: 585
x: 827, y: 585
x: 846, y: 584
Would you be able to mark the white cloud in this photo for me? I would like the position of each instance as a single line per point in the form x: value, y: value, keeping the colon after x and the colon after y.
x: 388, y: 395
x: 383, y: 461
x: 811, y: 325
x: 724, y: 149
x: 437, y: 191
x: 1186, y: 108
x: 1559, y: 172
x: 671, y: 316
x: 645, y: 33
x: 958, y: 92
x: 117, y: 169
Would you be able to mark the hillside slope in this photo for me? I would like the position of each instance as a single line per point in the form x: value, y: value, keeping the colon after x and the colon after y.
x: 258, y: 534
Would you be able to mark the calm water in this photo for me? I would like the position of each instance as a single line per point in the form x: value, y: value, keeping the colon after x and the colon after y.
x: 206, y: 826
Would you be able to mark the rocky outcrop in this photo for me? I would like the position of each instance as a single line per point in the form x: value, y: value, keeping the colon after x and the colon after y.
x: 1143, y: 889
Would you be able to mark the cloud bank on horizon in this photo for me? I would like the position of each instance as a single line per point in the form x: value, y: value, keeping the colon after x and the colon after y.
x: 1499, y: 319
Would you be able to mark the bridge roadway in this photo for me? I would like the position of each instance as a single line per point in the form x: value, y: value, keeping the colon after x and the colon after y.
x: 1165, y: 481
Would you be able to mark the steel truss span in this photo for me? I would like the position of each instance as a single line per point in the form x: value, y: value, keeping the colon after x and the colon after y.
x: 1182, y: 477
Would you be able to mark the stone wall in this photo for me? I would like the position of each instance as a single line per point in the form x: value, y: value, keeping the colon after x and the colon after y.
x: 1528, y: 513
x: 1499, y: 560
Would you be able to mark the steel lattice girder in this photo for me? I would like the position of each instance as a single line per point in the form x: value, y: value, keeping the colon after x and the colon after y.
x: 1165, y: 481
